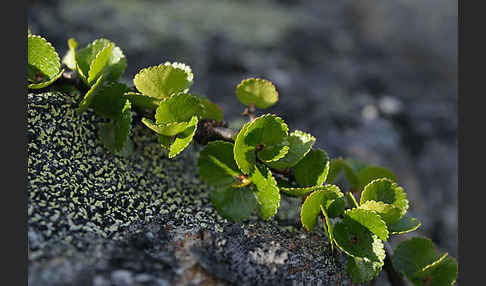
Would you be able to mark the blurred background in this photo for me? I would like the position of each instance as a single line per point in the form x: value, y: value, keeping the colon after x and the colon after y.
x: 372, y: 80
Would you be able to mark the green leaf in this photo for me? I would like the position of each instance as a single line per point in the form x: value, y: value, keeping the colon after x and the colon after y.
x: 312, y: 170
x: 183, y: 139
x: 99, y: 63
x: 43, y: 61
x: 362, y: 270
x: 370, y: 173
x: 404, y: 225
x: 70, y: 58
x: 388, y: 212
x: 234, y: 204
x: 300, y: 143
x: 328, y: 196
x: 108, y: 135
x: 337, y: 166
x: 266, y: 132
x: 85, y: 56
x: 89, y: 96
x: 328, y: 227
x: 110, y: 100
x: 160, y: 81
x: 187, y: 69
x: 356, y: 240
x: 178, y: 108
x: 260, y: 92
x: 273, y: 153
x: 386, y: 191
x: 369, y: 219
x: 107, y: 62
x: 266, y: 193
x: 123, y: 126
x: 142, y: 101
x: 165, y: 141
x: 442, y: 272
x: 45, y: 83
x: 116, y: 65
x: 413, y: 255
x: 211, y: 110
x: 216, y: 164
x: 170, y: 129
x: 297, y: 192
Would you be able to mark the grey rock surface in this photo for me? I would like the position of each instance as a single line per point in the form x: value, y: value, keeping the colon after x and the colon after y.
x: 372, y: 80
x: 100, y: 219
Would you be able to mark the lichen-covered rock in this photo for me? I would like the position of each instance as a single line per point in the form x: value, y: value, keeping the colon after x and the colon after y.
x: 96, y: 218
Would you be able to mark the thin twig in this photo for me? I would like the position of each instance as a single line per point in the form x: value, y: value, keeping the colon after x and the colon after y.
x: 394, y: 277
x: 250, y: 112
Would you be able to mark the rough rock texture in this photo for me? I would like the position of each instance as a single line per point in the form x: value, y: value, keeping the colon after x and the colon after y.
x: 100, y: 219
x: 372, y: 80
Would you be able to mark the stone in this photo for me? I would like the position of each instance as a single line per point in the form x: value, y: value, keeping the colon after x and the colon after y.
x: 96, y: 218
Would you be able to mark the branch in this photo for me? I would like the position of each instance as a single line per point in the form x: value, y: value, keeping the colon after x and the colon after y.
x: 209, y: 130
x: 394, y: 277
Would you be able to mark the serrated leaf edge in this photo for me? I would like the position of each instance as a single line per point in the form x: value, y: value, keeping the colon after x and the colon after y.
x: 58, y: 61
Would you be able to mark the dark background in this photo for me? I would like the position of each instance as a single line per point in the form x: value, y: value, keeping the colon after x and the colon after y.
x: 372, y: 80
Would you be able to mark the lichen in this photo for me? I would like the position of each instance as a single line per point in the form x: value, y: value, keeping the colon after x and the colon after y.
x: 95, y: 217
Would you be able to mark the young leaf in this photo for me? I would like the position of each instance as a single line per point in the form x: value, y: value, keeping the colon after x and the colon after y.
x: 180, y: 107
x: 312, y: 170
x: 160, y: 81
x: 388, y: 212
x: 85, y: 56
x: 266, y: 132
x: 100, y: 58
x: 266, y: 193
x: 441, y: 272
x: 370, y: 173
x: 89, y: 96
x: 116, y: 65
x: 234, y: 204
x: 70, y: 58
x: 183, y: 139
x: 362, y: 270
x: 300, y: 144
x: 43, y: 60
x: 169, y: 129
x: 216, y: 164
x: 109, y: 100
x: 329, y: 197
x: 369, y: 219
x: 99, y: 63
x: 260, y: 92
x: 413, y: 255
x: 404, y: 225
x: 357, y: 241
x: 386, y: 191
